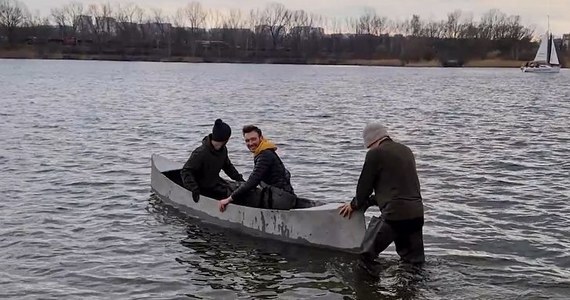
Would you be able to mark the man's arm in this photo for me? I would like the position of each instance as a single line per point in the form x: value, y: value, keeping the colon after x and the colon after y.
x: 192, y: 167
x: 262, y: 165
x: 366, y: 181
x: 231, y: 171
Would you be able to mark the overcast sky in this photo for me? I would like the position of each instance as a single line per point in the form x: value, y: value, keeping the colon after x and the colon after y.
x: 533, y: 12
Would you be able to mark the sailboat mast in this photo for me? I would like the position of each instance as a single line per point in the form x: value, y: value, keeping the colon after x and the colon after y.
x: 549, y: 49
x: 549, y: 46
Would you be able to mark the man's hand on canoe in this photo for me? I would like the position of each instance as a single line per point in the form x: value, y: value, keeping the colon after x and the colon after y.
x: 223, y: 203
x: 346, y: 210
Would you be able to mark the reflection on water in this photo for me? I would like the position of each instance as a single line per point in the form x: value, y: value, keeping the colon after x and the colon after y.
x: 238, y: 265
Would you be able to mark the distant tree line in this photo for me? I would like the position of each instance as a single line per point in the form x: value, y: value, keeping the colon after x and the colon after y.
x: 271, y: 32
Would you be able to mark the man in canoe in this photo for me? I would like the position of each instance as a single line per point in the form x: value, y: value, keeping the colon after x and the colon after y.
x: 201, y: 173
x: 390, y: 172
x: 269, y: 172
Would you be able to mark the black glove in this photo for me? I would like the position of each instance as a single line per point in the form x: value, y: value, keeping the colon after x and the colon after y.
x: 196, y: 196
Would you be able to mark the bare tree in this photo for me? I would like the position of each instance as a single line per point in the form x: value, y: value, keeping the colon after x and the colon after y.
x: 128, y: 18
x: 254, y: 19
x: 262, y: 38
x: 468, y: 27
x: 13, y: 14
x: 68, y: 18
x: 179, y: 18
x: 36, y: 20
x: 371, y: 23
x: 234, y: 30
x: 335, y: 41
x: 453, y: 26
x: 215, y: 19
x: 162, y: 29
x: 275, y: 27
x: 364, y: 23
x: 195, y: 15
x: 161, y: 20
x: 180, y: 37
x: 351, y: 24
x: 379, y: 25
x: 299, y: 34
x: 416, y: 26
x: 490, y: 22
x: 301, y: 18
x: 103, y: 26
x: 300, y: 23
x: 195, y: 19
x: 73, y: 12
x: 58, y: 15
x: 235, y: 19
x: 276, y: 18
x: 335, y: 25
x: 306, y: 32
x: 158, y: 16
x: 34, y: 28
x: 399, y: 27
x: 130, y: 13
x: 434, y: 29
x: 516, y: 30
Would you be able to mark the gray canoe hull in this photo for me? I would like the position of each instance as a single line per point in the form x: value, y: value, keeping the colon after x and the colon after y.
x: 319, y: 226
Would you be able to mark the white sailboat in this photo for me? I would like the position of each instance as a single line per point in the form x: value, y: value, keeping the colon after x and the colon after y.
x: 546, y: 59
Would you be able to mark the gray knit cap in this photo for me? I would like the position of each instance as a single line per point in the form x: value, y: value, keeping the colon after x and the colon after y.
x: 372, y: 133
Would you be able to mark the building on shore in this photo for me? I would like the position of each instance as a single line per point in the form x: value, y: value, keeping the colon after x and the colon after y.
x: 566, y: 42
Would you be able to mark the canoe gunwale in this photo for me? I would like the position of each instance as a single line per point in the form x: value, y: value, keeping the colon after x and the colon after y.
x: 318, y: 226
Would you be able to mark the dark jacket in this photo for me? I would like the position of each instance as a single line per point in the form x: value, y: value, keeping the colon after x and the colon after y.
x: 202, y: 170
x: 269, y: 170
x: 390, y: 171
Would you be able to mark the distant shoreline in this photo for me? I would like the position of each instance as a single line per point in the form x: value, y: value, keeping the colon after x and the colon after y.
x: 483, y: 63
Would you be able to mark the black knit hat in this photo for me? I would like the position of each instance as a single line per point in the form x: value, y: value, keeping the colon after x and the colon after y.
x: 221, y: 131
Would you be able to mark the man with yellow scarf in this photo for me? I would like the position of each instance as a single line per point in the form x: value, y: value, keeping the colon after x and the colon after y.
x: 268, y: 171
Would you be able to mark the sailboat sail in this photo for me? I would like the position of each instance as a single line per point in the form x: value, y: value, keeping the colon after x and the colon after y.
x: 546, y: 59
x: 553, y: 56
x: 542, y: 54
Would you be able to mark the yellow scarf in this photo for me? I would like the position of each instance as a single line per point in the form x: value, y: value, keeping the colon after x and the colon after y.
x: 264, y: 145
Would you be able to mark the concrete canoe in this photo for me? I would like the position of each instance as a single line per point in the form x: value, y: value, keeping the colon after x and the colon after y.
x: 319, y: 226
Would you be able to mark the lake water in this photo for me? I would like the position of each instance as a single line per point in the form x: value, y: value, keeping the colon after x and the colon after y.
x: 78, y: 219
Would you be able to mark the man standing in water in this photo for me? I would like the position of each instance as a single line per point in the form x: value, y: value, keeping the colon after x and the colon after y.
x: 201, y: 173
x: 390, y: 172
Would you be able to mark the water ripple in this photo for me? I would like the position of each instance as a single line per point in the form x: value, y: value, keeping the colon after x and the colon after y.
x: 491, y: 148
